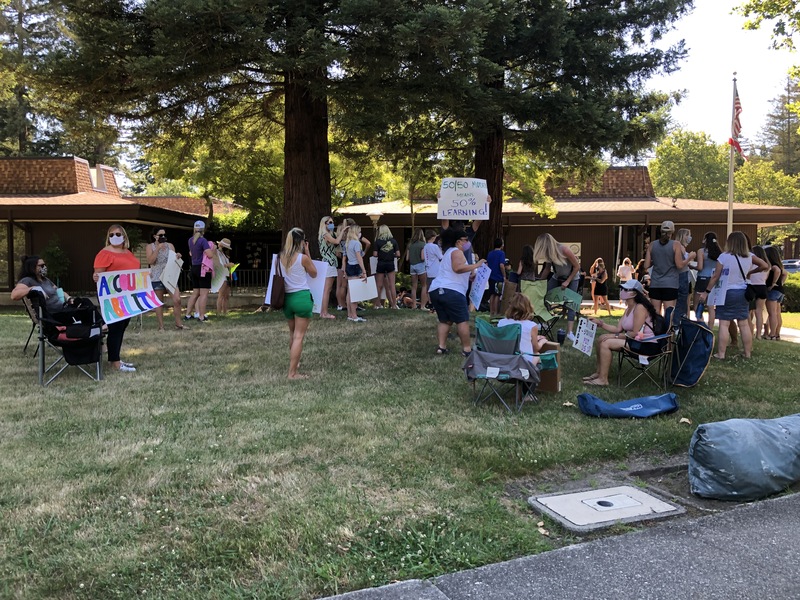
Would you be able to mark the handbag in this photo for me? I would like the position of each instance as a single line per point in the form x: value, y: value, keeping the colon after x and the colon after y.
x: 749, y: 291
x: 278, y: 294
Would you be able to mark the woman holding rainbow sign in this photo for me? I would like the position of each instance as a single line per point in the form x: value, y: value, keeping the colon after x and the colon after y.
x: 116, y: 256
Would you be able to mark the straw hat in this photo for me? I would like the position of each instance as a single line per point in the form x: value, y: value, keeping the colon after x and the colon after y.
x: 225, y: 243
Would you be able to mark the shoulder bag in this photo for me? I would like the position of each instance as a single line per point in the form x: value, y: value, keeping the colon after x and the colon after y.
x: 278, y: 294
x: 749, y: 292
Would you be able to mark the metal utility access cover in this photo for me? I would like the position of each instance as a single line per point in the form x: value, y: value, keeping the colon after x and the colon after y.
x: 594, y: 509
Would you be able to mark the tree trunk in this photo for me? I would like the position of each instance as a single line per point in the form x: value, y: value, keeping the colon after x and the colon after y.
x: 489, y: 166
x: 307, y: 171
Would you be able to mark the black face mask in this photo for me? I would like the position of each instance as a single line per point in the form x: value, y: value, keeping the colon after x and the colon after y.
x: 43, y: 270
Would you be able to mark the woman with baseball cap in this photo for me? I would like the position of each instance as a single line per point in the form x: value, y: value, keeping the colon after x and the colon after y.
x: 667, y: 257
x: 201, y: 284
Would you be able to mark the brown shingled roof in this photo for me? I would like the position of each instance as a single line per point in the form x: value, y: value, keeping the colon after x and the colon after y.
x: 189, y: 206
x: 616, y: 182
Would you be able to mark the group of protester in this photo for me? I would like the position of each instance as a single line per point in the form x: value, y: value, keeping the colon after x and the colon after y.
x: 442, y: 265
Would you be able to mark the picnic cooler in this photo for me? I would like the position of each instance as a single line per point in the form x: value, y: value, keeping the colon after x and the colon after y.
x: 549, y: 377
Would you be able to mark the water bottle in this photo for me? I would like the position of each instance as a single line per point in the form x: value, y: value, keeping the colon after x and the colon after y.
x: 561, y: 336
x: 699, y: 312
x: 60, y: 294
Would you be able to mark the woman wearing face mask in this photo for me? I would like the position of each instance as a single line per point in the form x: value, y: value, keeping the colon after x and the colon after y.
x: 637, y: 323
x: 116, y: 256
x: 157, y: 254
x: 201, y: 284
x: 33, y: 276
x: 328, y: 243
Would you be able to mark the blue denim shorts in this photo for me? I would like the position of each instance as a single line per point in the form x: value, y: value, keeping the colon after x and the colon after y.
x: 418, y: 269
x: 157, y: 285
x: 352, y: 270
x: 774, y: 295
x: 450, y: 306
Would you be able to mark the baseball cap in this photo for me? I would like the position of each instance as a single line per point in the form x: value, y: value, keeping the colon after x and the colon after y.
x: 668, y: 226
x: 199, y: 225
x: 632, y: 284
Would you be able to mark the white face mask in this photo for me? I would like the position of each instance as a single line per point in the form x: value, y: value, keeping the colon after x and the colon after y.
x: 116, y: 239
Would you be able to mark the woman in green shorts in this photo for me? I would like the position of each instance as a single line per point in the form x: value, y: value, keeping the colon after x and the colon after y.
x: 296, y: 264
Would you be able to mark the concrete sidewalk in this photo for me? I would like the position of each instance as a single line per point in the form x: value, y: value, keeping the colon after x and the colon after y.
x: 749, y: 552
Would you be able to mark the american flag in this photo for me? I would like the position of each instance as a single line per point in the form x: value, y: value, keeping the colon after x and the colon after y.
x: 736, y: 125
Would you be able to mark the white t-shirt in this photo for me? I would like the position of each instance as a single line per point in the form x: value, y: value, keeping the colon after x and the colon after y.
x: 525, y: 344
x: 433, y: 257
x: 625, y: 272
x: 731, y: 272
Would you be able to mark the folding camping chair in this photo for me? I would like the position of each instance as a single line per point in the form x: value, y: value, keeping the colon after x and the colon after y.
x: 650, y: 357
x: 694, y: 344
x: 546, y: 313
x: 495, y: 361
x: 75, y: 336
x: 33, y: 313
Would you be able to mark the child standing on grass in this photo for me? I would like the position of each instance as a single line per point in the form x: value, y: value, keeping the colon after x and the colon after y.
x: 298, y: 305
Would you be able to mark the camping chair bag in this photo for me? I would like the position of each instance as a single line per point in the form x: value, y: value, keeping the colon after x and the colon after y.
x: 640, y: 408
x: 77, y: 330
x: 693, y: 348
x: 744, y: 459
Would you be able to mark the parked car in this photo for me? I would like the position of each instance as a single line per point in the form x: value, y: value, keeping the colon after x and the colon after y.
x: 791, y: 265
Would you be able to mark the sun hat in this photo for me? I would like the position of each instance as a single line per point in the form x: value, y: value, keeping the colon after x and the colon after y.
x: 668, y: 226
x: 632, y: 284
x: 225, y: 243
x: 199, y: 225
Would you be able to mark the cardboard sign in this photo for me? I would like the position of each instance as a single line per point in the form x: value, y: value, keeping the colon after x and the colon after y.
x: 172, y: 273
x: 125, y: 294
x: 716, y: 297
x: 463, y: 198
x: 221, y: 271
x: 361, y: 291
x: 317, y: 284
x: 584, y: 341
x: 479, y: 285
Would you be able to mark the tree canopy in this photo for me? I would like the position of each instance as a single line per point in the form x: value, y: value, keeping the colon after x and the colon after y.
x: 690, y: 165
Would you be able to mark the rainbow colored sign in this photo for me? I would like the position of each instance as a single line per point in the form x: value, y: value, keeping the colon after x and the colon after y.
x: 125, y: 294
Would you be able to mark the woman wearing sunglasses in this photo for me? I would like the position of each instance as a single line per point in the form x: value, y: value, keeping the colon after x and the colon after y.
x: 116, y: 256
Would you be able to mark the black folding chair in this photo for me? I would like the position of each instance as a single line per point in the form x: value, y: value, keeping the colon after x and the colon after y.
x: 75, y: 336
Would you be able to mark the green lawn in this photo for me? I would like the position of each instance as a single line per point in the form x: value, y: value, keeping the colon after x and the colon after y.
x: 207, y: 473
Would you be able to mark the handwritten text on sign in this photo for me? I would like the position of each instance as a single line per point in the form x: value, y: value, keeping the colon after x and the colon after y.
x: 463, y: 198
x: 125, y: 294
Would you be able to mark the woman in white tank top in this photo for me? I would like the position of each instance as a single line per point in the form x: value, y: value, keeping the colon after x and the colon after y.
x: 295, y: 265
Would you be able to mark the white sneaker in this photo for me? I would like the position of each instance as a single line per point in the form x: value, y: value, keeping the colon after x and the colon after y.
x: 357, y: 319
x: 571, y: 337
x: 127, y: 364
x: 123, y: 368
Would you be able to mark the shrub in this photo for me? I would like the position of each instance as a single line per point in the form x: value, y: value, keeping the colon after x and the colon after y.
x: 791, y: 303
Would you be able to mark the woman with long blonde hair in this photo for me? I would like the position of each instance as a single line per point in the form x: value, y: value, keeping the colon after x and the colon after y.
x: 520, y: 312
x: 296, y: 264
x: 354, y: 267
x: 684, y: 238
x: 738, y: 263
x: 201, y: 284
x: 328, y: 243
x: 599, y: 277
x: 386, y: 250
x: 561, y: 269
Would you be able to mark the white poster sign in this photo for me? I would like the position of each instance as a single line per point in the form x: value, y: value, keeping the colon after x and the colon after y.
x: 317, y: 284
x: 221, y: 271
x: 584, y: 341
x: 267, y: 298
x: 125, y: 294
x: 716, y: 297
x: 172, y: 273
x: 361, y: 291
x: 463, y: 198
x: 479, y: 285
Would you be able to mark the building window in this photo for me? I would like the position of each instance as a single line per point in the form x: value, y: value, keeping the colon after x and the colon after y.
x: 11, y: 250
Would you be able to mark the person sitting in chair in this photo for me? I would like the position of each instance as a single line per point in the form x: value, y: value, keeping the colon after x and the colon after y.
x: 33, y: 276
x: 520, y: 312
x: 636, y: 324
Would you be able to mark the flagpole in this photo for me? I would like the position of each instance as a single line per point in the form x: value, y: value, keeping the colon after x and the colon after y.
x: 731, y: 161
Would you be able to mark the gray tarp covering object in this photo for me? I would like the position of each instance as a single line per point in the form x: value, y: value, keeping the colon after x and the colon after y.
x: 745, y: 459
